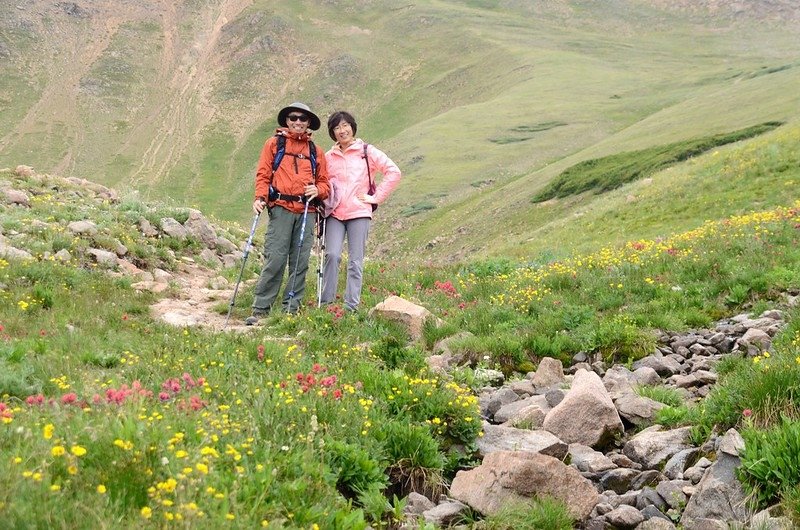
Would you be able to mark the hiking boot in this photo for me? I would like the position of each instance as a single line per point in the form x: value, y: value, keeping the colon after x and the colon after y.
x: 253, y: 319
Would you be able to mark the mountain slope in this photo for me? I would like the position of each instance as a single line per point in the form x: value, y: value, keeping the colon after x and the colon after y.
x: 479, y: 102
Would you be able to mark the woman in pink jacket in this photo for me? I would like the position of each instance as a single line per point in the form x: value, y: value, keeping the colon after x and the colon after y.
x: 352, y: 165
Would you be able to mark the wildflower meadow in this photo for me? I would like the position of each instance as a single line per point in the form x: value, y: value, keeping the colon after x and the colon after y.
x: 327, y: 419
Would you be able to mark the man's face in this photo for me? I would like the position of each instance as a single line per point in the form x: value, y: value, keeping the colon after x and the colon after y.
x: 297, y: 122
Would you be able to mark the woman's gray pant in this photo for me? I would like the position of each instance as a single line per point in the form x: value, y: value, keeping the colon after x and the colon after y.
x: 357, y: 231
x: 282, y: 247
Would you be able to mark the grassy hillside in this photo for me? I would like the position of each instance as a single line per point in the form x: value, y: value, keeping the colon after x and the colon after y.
x: 328, y: 419
x: 481, y: 103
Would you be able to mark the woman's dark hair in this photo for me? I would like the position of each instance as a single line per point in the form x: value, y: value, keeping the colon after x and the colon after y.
x: 337, y: 118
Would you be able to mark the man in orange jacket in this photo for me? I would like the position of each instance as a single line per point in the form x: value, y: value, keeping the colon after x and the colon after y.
x: 286, y: 192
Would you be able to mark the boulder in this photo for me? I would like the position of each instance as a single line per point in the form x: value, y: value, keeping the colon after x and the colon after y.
x: 586, y: 415
x: 497, y: 438
x: 519, y: 476
x: 408, y: 314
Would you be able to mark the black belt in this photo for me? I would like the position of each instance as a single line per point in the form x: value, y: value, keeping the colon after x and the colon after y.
x: 291, y: 198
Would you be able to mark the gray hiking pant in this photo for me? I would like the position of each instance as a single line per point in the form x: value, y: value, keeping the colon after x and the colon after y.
x: 282, y: 247
x: 356, y: 231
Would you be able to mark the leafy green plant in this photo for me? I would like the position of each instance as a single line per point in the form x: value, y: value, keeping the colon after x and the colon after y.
x: 416, y: 461
x: 770, y: 461
x: 356, y: 470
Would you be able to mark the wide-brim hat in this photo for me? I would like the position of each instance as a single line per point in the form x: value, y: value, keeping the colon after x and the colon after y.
x: 314, y: 122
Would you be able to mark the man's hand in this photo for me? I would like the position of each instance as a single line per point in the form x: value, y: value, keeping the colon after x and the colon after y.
x: 258, y: 205
x: 311, y: 192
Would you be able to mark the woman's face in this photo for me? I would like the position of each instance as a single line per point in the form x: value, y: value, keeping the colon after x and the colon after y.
x: 343, y: 133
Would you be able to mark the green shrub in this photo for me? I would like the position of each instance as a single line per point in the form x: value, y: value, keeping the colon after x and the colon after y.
x: 416, y: 462
x: 770, y: 461
x: 18, y: 380
x: 355, y: 469
x: 618, y: 340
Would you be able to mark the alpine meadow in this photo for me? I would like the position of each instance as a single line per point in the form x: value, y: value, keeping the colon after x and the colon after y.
x: 580, y: 305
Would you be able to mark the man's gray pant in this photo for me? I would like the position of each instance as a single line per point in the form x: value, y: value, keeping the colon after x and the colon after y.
x: 356, y: 231
x: 282, y: 246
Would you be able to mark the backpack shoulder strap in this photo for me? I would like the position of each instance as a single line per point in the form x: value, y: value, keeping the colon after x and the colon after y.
x: 312, y: 156
x: 366, y: 159
x: 276, y: 162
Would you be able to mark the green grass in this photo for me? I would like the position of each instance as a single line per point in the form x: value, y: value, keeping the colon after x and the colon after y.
x: 605, y: 174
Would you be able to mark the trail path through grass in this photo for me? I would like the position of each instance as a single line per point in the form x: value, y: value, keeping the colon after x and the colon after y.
x: 193, y: 303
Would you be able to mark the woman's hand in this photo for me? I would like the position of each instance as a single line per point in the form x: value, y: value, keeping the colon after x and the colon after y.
x: 369, y: 199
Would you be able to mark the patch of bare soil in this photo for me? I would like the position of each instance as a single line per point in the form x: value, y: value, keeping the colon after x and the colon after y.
x: 193, y: 303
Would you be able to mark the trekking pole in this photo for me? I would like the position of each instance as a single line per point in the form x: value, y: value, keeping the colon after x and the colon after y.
x: 320, y: 257
x: 247, y: 247
x: 291, y: 292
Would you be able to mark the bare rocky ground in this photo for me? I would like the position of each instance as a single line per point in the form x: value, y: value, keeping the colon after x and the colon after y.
x: 191, y: 302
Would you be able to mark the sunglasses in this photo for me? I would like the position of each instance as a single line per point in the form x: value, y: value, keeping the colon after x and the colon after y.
x: 297, y: 117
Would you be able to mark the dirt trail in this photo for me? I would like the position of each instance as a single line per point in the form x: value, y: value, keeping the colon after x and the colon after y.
x: 195, y: 304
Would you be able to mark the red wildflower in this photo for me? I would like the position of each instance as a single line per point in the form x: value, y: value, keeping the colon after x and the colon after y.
x: 196, y: 403
x: 69, y: 399
x: 747, y: 413
x: 163, y: 396
x: 337, y: 394
x: 188, y: 380
x: 38, y: 399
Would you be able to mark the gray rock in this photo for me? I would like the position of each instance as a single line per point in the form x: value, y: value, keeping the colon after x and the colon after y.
x: 549, y: 372
x: 624, y: 517
x: 199, y: 228
x: 672, y: 492
x: 653, y: 447
x: 498, y: 438
x: 719, y: 496
x: 444, y: 514
x: 508, y: 476
x: 679, y: 462
x: 650, y: 497
x: 82, y: 228
x: 587, y: 459
x: 416, y: 504
x: 586, y: 415
x: 637, y: 409
x: 17, y: 197
x: 498, y: 399
x: 173, y: 228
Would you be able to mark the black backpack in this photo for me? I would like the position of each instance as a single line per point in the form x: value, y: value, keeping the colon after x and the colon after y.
x: 274, y: 194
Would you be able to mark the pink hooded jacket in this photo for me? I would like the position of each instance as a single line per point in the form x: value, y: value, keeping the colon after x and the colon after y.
x: 349, y: 171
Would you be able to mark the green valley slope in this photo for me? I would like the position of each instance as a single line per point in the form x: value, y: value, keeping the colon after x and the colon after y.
x: 480, y: 102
